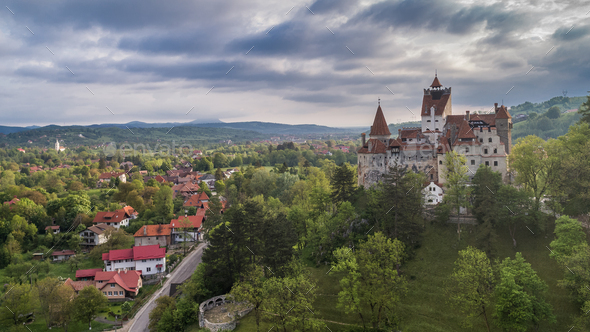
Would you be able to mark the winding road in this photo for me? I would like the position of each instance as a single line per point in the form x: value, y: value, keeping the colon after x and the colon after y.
x: 184, y: 271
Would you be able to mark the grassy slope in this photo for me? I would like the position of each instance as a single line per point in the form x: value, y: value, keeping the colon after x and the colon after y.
x: 425, y: 307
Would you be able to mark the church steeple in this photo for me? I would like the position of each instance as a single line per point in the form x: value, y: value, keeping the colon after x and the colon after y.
x: 379, y: 127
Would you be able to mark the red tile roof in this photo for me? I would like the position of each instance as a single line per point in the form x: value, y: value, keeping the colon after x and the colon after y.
x: 135, y: 253
x: 153, y: 230
x: 86, y: 273
x: 195, y: 221
x: 128, y: 280
x: 117, y: 216
x: 63, y: 253
x: 78, y: 285
x: 52, y: 227
x: 503, y: 113
x: 196, y: 200
x: 376, y: 147
x: 439, y: 104
x: 148, y: 252
x: 109, y: 175
x: 379, y: 124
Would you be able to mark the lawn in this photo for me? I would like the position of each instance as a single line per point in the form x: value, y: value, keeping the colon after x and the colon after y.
x: 425, y: 307
x: 39, y: 325
x: 114, y: 307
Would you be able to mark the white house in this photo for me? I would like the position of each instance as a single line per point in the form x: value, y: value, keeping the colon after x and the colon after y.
x: 117, y: 218
x: 149, y: 260
x: 94, y: 235
x: 62, y: 255
x: 433, y: 193
x: 187, y: 228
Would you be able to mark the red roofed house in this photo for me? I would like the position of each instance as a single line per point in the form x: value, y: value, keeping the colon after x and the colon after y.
x: 117, y: 218
x: 86, y: 274
x: 52, y: 229
x: 147, y: 259
x: 62, y: 255
x: 196, y: 200
x: 78, y: 285
x: 21, y: 150
x: 118, y: 284
x: 187, y: 228
x: 115, y: 285
x: 12, y: 201
x: 153, y: 234
x: 106, y: 177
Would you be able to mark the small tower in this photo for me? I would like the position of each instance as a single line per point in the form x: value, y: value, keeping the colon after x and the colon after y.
x: 379, y: 129
x: 504, y: 126
x: 56, y: 145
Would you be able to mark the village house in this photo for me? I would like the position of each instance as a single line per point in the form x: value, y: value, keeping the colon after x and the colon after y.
x: 153, y: 234
x: 115, y: 285
x: 197, y: 200
x: 117, y: 218
x: 433, y: 193
x: 94, y: 236
x: 52, y: 229
x: 87, y: 274
x: 187, y: 228
x: 62, y: 255
x: 106, y: 177
x: 149, y: 260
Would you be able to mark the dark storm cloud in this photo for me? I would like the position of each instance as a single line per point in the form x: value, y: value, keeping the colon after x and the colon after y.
x: 442, y: 16
x: 571, y: 32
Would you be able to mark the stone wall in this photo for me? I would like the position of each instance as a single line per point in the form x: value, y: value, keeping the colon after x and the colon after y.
x: 214, y: 302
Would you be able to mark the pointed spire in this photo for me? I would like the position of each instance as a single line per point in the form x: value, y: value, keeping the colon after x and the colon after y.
x: 436, y: 82
x: 379, y: 127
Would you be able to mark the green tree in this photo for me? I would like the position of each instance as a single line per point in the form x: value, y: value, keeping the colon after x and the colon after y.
x: 343, y: 183
x: 584, y: 110
x: 471, y: 285
x: 371, y: 279
x: 535, y: 168
x: 163, y: 303
x: 18, y: 304
x: 46, y: 291
x: 456, y: 178
x: 553, y: 112
x: 401, y: 205
x: 164, y: 204
x: 289, y: 301
x: 62, y: 307
x: 251, y: 289
x: 520, y: 296
x: 89, y: 303
x: 514, y: 207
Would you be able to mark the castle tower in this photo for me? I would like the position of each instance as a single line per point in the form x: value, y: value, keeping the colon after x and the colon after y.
x: 379, y: 129
x: 56, y: 145
x: 504, y: 126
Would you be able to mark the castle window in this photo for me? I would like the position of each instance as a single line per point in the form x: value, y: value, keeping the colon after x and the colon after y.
x: 431, y: 176
x: 487, y: 163
x: 485, y: 151
x: 495, y: 150
x: 495, y: 163
x: 466, y: 150
x: 435, y: 120
x: 490, y: 140
x: 427, y: 120
x: 481, y: 140
x: 437, y: 128
x: 472, y: 161
x: 440, y: 162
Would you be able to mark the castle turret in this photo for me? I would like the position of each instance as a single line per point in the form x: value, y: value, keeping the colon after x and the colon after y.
x: 504, y: 126
x: 379, y: 129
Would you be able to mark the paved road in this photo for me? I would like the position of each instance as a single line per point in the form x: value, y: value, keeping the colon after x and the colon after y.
x: 181, y: 273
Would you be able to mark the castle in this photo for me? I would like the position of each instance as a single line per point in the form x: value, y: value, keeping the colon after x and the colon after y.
x: 481, y: 138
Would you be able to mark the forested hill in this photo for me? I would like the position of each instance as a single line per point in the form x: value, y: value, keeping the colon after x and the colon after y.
x: 548, y: 119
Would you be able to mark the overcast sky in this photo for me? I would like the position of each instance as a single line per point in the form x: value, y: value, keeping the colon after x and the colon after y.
x: 324, y: 62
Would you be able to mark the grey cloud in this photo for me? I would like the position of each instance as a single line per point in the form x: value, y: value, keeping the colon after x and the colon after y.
x: 571, y: 33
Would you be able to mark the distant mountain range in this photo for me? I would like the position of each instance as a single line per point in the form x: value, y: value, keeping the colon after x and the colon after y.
x: 258, y: 126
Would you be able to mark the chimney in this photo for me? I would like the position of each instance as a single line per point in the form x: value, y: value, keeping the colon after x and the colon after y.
x: 467, y: 115
x: 144, y: 230
x: 363, y: 138
x: 495, y: 107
